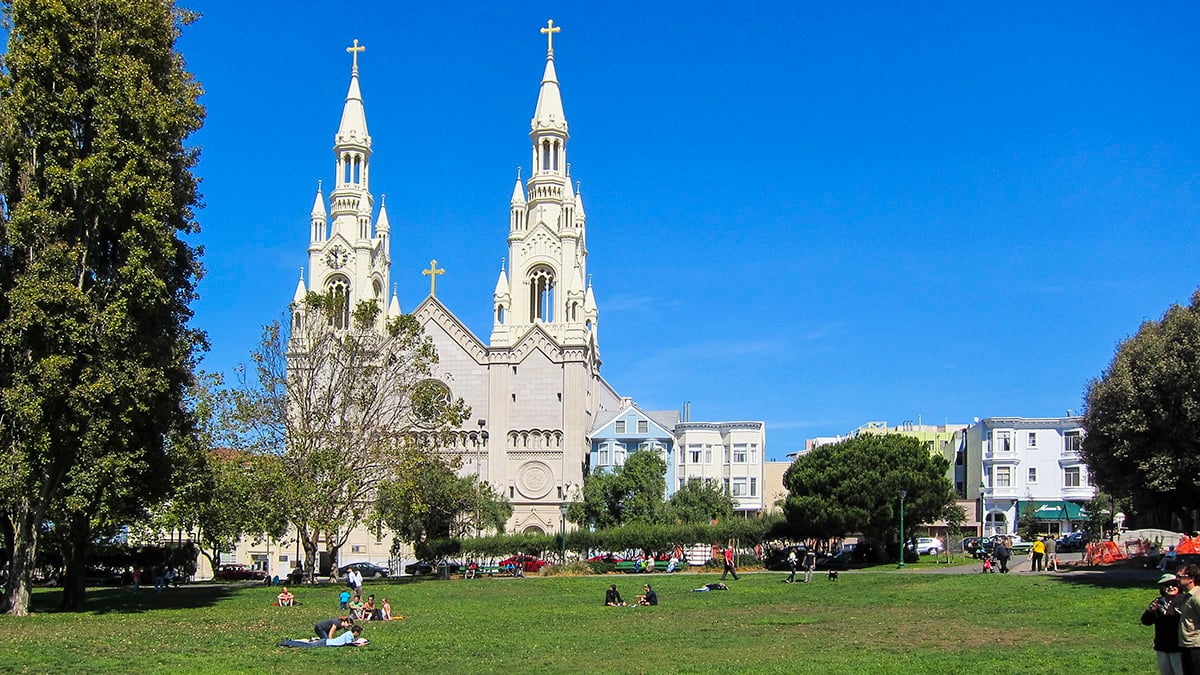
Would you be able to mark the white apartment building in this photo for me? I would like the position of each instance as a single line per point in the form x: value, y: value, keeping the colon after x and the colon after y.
x: 1010, y: 464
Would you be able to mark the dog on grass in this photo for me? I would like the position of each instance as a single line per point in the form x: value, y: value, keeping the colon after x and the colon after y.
x: 833, y: 574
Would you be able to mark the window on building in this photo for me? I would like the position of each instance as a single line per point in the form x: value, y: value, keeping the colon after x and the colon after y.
x: 961, y: 489
x: 708, y: 454
x: 753, y: 486
x: 602, y: 456
x: 681, y: 483
x: 1003, y: 441
x: 694, y: 453
x: 619, y: 454
x: 929, y: 447
x: 1072, y: 440
x: 1032, y: 439
x: 726, y: 449
x: 739, y: 453
x: 753, y: 453
x: 1003, y: 476
x: 1032, y: 474
x: 541, y: 295
x: 259, y: 561
x: 726, y: 484
x: 358, y: 548
x: 283, y: 558
x: 1071, y: 476
x: 620, y: 426
x: 643, y: 427
x: 339, y: 289
x: 738, y: 487
x: 960, y: 458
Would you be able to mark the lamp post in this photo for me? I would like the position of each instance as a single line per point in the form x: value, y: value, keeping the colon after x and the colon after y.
x: 480, y: 446
x: 983, y: 509
x: 903, y: 494
x: 563, y: 509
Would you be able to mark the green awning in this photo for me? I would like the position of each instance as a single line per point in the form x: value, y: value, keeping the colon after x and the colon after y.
x: 1054, y: 511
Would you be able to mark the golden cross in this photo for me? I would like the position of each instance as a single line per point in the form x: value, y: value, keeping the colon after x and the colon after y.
x: 432, y: 273
x: 355, y: 50
x: 549, y: 32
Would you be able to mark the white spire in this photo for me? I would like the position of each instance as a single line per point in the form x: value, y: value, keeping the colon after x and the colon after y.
x: 353, y: 128
x: 502, y: 283
x: 579, y: 214
x: 301, y: 291
x: 318, y: 209
x: 394, y: 306
x: 382, y: 226
x: 548, y: 114
x: 518, y: 195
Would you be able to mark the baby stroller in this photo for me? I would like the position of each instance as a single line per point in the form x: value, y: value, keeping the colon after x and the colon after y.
x: 989, y: 567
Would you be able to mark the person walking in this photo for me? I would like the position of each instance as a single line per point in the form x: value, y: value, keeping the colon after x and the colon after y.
x: 1037, y: 554
x: 729, y: 568
x: 1051, y: 554
x: 810, y: 564
x: 1002, y: 553
x: 1189, y: 618
x: 791, y: 560
x: 1163, y: 613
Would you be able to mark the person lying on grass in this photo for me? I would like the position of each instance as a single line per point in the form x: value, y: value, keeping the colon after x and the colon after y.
x: 329, y: 627
x: 351, y: 638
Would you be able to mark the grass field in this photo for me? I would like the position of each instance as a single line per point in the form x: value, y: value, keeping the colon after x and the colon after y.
x: 880, y: 621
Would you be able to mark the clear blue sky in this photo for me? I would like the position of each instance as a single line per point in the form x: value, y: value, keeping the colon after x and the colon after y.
x: 809, y: 214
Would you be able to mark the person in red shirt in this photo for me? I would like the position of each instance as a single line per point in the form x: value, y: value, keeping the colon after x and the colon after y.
x: 729, y: 569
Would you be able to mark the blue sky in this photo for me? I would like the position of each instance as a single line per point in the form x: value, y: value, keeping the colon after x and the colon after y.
x: 814, y: 215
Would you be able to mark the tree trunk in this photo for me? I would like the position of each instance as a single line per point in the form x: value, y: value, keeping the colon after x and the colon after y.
x: 25, y: 543
x: 79, y: 543
x: 309, y: 541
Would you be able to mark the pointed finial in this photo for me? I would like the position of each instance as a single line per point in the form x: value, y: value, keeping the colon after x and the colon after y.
x: 577, y: 186
x: 549, y: 32
x: 518, y: 173
x: 355, y: 50
x: 568, y: 168
x: 393, y: 288
x: 383, y: 200
x: 589, y: 281
x: 502, y: 261
x: 301, y: 274
x: 318, y: 185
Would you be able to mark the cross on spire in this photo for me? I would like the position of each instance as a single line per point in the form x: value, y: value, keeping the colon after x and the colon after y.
x: 432, y: 273
x: 549, y: 32
x: 355, y: 50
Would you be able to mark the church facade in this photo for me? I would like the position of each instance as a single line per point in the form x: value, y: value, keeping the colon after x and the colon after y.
x: 534, y: 387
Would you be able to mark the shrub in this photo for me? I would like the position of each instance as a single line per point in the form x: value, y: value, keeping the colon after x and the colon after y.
x: 571, y: 569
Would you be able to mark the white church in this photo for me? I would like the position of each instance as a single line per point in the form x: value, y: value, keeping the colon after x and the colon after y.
x: 541, y: 411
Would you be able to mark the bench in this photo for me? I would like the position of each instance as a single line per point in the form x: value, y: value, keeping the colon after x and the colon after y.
x: 490, y: 570
x: 631, y: 567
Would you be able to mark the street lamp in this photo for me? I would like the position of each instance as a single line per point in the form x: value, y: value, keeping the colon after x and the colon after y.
x: 903, y: 494
x: 983, y: 509
x: 563, y: 509
x: 480, y: 446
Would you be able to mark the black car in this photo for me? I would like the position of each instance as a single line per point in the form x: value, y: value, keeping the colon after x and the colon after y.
x: 429, y: 566
x: 366, y: 569
x: 1076, y: 541
x: 778, y: 560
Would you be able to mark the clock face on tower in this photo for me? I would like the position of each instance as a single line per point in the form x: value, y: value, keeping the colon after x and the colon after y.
x: 337, y: 257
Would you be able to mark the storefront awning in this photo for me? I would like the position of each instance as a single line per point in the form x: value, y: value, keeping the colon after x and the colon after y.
x: 1055, y: 511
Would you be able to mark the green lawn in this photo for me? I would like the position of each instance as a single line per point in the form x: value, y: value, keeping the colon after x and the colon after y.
x: 879, y: 621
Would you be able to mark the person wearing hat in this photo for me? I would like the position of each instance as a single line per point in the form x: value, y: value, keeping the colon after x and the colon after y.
x: 1164, y: 615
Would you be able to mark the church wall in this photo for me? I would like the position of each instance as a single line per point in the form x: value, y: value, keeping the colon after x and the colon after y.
x: 466, y: 377
x: 538, y: 388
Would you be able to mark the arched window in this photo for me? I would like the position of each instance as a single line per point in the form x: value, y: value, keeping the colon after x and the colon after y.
x: 556, y: 149
x: 499, y: 313
x: 338, y: 289
x: 545, y: 155
x: 541, y: 294
x: 346, y: 168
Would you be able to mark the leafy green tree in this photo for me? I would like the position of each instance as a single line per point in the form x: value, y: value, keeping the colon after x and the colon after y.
x: 699, y: 501
x: 341, y: 409
x: 95, y: 274
x: 427, y: 499
x: 1142, y: 418
x: 632, y: 493
x: 854, y: 485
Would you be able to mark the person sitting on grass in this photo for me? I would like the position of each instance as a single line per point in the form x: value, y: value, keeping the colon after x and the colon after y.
x: 649, y: 598
x: 356, y: 608
x: 286, y: 599
x: 385, y: 611
x: 352, y: 637
x: 612, y: 597
x: 369, y: 611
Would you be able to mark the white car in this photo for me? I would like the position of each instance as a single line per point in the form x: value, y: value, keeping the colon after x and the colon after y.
x: 929, y: 546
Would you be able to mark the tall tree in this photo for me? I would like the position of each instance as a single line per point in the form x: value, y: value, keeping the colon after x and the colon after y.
x: 700, y: 501
x: 337, y: 406
x: 1142, y: 419
x: 854, y: 485
x: 632, y: 493
x: 98, y: 194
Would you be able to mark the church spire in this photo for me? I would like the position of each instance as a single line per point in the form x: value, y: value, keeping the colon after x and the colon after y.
x: 352, y: 147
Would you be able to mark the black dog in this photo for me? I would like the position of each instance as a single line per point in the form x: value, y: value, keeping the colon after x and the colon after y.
x: 833, y: 575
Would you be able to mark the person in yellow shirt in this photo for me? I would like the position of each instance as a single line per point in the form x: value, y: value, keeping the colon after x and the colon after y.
x: 1189, y: 619
x: 1037, y: 554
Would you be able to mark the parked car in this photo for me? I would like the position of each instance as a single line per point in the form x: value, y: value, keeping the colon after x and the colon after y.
x: 606, y: 558
x: 526, y: 562
x: 366, y: 569
x: 429, y: 566
x: 1075, y: 541
x: 929, y: 546
x: 239, y: 572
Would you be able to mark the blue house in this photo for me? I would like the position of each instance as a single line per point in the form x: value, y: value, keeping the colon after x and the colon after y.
x: 629, y: 429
